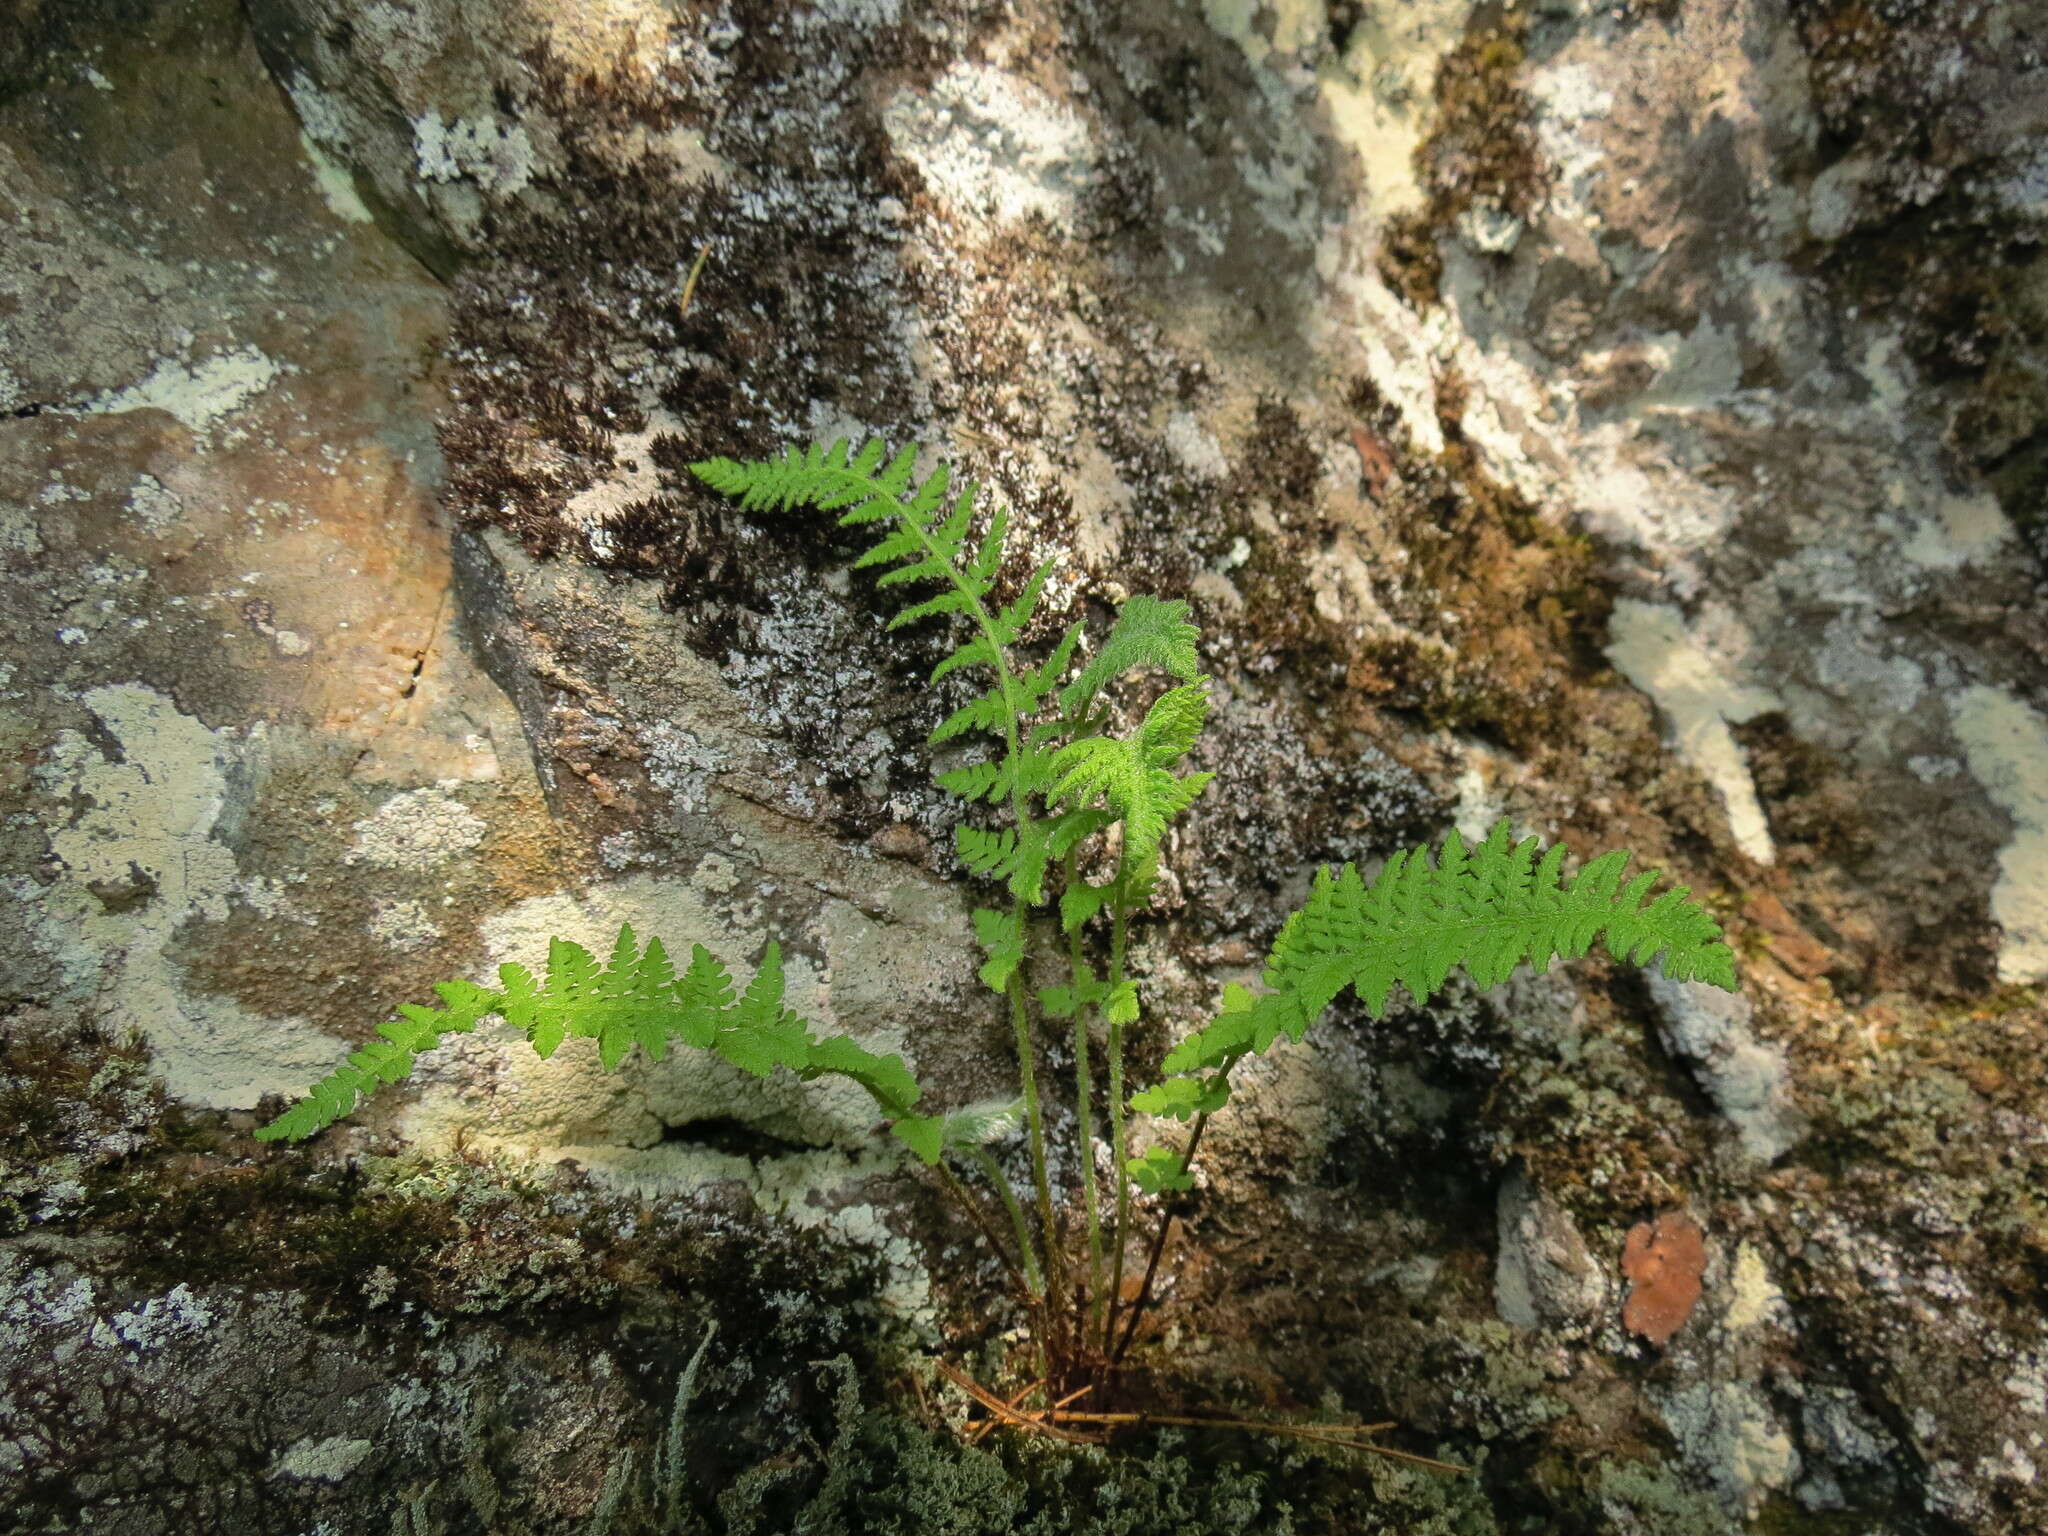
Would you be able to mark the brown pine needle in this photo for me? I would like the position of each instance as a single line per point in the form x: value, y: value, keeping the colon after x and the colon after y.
x: 1221, y: 1422
x: 976, y: 1435
x: 1005, y: 1412
x: 690, y: 282
x: 1342, y: 1436
x: 1015, y: 1400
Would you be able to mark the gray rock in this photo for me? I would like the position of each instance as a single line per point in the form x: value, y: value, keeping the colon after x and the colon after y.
x: 1544, y: 1277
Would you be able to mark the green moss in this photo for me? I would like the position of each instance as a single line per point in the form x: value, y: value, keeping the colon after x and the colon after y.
x: 845, y: 1465
x: 887, y: 1474
x: 1649, y: 1499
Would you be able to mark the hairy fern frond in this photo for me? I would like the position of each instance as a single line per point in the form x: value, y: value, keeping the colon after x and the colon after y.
x: 1487, y: 908
x: 1149, y: 632
x: 1132, y: 775
x: 927, y: 540
x: 634, y: 999
x: 980, y: 1123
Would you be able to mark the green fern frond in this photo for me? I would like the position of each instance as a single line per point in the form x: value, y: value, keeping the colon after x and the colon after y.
x: 1079, y: 902
x: 1016, y: 856
x: 1038, y: 684
x: 1174, y: 723
x: 1029, y: 771
x: 990, y: 712
x: 1488, y: 909
x: 927, y: 541
x: 1159, y: 1172
x: 1002, y: 935
x: 1130, y: 775
x: 635, y: 999
x: 1149, y: 632
x: 1015, y: 618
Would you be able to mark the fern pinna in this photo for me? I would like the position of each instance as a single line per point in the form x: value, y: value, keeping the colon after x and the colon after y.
x: 635, y: 999
x: 1075, y: 794
x: 1488, y: 909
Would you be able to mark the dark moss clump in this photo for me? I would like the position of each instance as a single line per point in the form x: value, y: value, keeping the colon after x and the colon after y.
x: 1482, y: 148
x: 573, y: 335
x: 1505, y: 613
x: 323, y: 1231
x: 39, y: 37
x: 465, y: 1235
x: 1409, y: 261
x: 575, y: 326
x: 75, y: 1105
x: 1480, y: 153
x: 1892, y: 925
x: 1923, y: 97
x: 884, y: 1472
x: 1916, y: 1124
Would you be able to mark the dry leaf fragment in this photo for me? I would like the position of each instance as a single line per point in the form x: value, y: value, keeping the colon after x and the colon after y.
x: 1374, y: 462
x: 1663, y: 1261
x: 1792, y: 946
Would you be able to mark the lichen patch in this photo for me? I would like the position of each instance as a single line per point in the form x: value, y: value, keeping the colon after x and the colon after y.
x: 417, y: 829
x: 148, y: 830
x: 1651, y: 647
x: 199, y: 394
x: 2006, y: 742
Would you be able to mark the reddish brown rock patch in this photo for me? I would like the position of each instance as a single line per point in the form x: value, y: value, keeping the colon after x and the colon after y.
x: 1663, y: 1261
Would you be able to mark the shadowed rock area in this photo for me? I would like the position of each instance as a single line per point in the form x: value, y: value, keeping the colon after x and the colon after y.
x: 1629, y: 419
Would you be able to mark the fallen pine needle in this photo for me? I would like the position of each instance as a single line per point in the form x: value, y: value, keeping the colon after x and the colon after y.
x: 690, y: 282
x: 1339, y: 1435
x: 976, y: 1435
x: 1005, y: 1412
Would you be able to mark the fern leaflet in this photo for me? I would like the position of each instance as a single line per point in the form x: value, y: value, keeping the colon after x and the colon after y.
x: 1149, y: 632
x: 926, y: 542
x: 1487, y: 908
x: 1131, y: 775
x: 635, y: 999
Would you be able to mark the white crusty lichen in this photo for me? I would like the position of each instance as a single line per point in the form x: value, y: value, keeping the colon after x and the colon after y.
x: 1653, y: 648
x: 153, y: 802
x: 497, y: 156
x: 2006, y: 743
x: 417, y: 829
x: 199, y: 393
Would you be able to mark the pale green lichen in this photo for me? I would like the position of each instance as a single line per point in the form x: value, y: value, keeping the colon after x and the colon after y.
x: 139, y: 861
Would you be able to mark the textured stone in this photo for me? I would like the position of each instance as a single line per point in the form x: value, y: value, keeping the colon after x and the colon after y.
x: 1439, y: 352
x: 1545, y: 1276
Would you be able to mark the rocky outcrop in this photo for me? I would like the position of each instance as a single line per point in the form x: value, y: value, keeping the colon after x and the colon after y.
x: 1627, y: 419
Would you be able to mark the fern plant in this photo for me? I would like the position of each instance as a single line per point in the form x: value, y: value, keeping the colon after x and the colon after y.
x: 1069, y: 793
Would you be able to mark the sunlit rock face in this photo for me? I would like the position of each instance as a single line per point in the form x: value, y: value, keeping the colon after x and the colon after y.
x: 1627, y: 419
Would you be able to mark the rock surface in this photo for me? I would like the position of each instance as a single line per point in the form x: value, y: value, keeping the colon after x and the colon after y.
x: 1629, y: 419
